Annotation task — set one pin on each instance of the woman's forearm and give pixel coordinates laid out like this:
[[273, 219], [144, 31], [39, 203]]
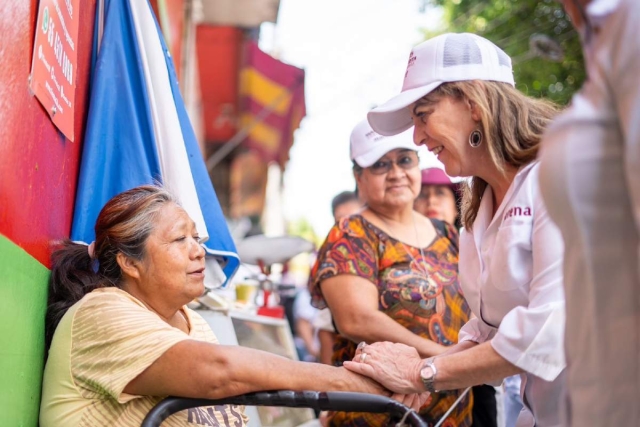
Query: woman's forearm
[[247, 370], [376, 326], [198, 369], [251, 370], [461, 346], [353, 302], [398, 367], [478, 364]]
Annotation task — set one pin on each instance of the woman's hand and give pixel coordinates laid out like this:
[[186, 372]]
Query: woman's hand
[[354, 305], [395, 366], [363, 384]]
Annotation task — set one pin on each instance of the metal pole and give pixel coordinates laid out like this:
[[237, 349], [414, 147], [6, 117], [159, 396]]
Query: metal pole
[[100, 7], [446, 414], [237, 139]]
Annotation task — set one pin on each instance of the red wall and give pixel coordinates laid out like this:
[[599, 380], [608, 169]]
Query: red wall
[[38, 166]]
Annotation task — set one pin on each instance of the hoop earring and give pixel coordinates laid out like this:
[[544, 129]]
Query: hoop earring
[[475, 138]]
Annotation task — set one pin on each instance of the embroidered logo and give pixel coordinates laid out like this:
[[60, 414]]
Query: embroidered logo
[[412, 61], [373, 136], [517, 211]]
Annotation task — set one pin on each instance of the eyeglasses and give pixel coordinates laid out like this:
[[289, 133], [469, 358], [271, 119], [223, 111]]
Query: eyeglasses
[[405, 161]]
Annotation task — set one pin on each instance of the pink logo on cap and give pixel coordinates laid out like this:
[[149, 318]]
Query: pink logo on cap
[[373, 136], [412, 61]]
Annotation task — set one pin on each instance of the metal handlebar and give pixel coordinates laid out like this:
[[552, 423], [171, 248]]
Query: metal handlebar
[[323, 401]]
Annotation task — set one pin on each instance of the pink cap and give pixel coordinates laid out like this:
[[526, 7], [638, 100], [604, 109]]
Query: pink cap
[[436, 176]]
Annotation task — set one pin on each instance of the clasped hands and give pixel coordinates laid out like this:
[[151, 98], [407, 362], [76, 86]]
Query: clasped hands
[[395, 366]]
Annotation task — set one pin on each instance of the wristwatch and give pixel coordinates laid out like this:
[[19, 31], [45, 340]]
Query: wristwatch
[[428, 375]]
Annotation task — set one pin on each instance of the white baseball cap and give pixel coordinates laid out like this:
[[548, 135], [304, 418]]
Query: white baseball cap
[[367, 146], [446, 58]]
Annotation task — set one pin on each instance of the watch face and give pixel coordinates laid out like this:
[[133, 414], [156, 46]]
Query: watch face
[[426, 373]]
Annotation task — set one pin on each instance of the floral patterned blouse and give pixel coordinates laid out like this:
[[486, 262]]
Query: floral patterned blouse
[[432, 306]]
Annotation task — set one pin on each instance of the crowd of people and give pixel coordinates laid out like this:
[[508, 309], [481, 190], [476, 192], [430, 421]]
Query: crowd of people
[[525, 271]]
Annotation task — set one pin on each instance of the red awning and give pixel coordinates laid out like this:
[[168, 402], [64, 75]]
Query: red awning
[[219, 50]]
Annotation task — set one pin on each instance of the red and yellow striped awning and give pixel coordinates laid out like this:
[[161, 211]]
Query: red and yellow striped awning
[[272, 103]]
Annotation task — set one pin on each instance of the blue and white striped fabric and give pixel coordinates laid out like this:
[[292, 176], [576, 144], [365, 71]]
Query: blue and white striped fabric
[[138, 132]]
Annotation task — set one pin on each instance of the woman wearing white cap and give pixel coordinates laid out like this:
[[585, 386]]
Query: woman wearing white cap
[[389, 273], [591, 181], [459, 93]]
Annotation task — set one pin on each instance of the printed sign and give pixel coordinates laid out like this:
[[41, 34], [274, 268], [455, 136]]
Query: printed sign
[[54, 63]]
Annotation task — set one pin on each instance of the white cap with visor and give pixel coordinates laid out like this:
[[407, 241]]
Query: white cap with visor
[[367, 146], [446, 58]]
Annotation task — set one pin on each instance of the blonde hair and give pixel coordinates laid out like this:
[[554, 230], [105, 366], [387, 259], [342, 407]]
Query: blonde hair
[[512, 125]]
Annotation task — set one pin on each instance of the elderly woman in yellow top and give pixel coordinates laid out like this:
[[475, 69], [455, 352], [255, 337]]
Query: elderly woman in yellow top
[[389, 273], [124, 337]]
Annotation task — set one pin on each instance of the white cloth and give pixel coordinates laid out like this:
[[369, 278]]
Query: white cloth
[[510, 272], [590, 179], [302, 308], [324, 321], [512, 400]]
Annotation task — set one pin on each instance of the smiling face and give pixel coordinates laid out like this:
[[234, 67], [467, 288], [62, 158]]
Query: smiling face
[[172, 270], [396, 188], [443, 125]]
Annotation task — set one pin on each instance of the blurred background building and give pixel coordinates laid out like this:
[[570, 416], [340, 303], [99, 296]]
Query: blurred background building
[[245, 105]]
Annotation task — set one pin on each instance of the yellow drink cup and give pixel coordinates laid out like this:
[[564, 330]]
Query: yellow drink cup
[[244, 292]]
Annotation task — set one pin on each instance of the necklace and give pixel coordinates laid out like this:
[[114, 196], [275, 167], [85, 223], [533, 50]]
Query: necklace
[[418, 265]]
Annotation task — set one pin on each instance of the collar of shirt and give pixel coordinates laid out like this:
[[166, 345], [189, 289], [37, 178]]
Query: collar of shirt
[[596, 13]]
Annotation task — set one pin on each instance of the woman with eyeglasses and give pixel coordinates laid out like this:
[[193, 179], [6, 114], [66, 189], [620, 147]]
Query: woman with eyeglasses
[[389, 273]]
